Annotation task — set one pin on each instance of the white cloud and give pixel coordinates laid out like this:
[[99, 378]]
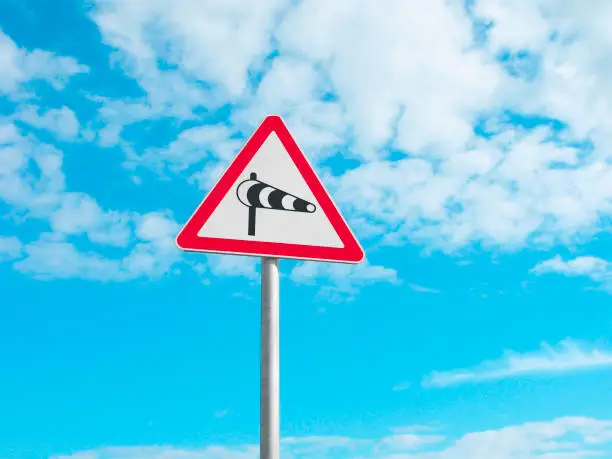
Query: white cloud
[[62, 122], [596, 269], [232, 265], [567, 357], [32, 182], [315, 446], [10, 248], [567, 438], [56, 259], [20, 66], [210, 46], [210, 146], [504, 192], [408, 76], [408, 441], [80, 213], [167, 452], [56, 70], [342, 280], [507, 191], [31, 177], [152, 254], [573, 45], [142, 31], [155, 252], [156, 227], [378, 60], [293, 89]]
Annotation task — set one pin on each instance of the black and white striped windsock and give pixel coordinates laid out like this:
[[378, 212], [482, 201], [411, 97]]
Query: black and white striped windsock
[[259, 195]]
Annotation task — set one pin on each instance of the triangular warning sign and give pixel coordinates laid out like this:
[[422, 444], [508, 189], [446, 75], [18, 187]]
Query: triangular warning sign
[[270, 203]]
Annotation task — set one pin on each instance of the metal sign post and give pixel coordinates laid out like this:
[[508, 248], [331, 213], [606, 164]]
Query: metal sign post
[[269, 422]]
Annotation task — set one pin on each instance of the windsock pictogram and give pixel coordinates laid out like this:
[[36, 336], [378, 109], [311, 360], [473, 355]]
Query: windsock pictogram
[[256, 194]]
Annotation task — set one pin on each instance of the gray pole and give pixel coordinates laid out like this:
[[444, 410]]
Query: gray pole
[[269, 424]]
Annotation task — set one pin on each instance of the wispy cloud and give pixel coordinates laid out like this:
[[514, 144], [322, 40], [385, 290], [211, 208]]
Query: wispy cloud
[[10, 248], [421, 289], [566, 357], [63, 122], [408, 441], [221, 413], [342, 282], [594, 268], [20, 66], [233, 266], [403, 386], [568, 437], [151, 253]]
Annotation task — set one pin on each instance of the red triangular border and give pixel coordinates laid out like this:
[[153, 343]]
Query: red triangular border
[[189, 240]]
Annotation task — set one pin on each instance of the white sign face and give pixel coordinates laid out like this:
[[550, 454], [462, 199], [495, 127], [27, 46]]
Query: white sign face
[[274, 167], [270, 203]]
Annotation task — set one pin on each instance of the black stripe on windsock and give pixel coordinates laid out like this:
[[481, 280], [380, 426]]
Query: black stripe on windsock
[[253, 194], [275, 199], [303, 206]]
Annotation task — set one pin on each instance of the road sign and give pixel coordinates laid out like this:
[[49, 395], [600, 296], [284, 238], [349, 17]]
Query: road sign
[[270, 203]]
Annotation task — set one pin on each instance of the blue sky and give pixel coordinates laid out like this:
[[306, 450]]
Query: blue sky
[[468, 146]]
